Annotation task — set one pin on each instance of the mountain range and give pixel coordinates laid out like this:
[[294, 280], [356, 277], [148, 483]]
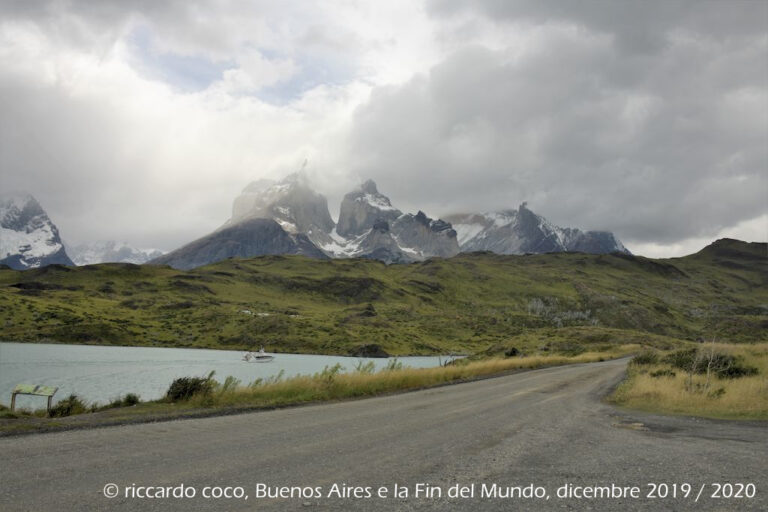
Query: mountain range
[[289, 217], [295, 219]]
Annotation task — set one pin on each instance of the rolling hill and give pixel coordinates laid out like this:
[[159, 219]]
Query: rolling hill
[[472, 302]]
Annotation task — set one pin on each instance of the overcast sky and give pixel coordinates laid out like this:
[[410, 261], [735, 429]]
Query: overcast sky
[[141, 121]]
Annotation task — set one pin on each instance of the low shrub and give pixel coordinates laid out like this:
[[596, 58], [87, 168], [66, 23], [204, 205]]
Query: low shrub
[[682, 359], [131, 399], [665, 372], [721, 364], [67, 407], [645, 357], [185, 388]]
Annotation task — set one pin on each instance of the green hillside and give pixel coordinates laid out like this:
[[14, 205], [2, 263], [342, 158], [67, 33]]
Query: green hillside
[[470, 303]]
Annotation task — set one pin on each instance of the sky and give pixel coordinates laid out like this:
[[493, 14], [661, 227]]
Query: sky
[[141, 121]]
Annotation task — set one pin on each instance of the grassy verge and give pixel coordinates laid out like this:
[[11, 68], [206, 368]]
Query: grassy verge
[[330, 384], [735, 387]]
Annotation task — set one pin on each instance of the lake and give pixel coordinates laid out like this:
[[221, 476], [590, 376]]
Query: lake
[[99, 374]]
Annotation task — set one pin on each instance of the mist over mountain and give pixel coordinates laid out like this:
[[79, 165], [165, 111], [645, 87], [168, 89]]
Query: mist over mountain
[[28, 237], [370, 226], [109, 251]]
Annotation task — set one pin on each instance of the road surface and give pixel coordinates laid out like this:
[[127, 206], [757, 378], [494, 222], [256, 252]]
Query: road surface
[[534, 432]]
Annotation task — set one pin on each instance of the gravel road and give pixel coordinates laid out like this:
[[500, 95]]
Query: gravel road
[[527, 433]]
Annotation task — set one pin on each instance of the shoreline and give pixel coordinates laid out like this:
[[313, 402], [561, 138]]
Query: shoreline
[[30, 425], [223, 349]]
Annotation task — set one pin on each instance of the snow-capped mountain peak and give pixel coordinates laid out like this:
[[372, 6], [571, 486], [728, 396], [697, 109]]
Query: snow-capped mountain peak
[[522, 231], [361, 208], [290, 202], [28, 237]]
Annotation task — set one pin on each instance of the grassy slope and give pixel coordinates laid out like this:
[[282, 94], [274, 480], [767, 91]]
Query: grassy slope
[[476, 302]]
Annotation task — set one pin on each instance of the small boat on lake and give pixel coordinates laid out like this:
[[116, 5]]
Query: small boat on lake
[[258, 357]]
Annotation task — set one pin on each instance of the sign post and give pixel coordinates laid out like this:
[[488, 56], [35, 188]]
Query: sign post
[[31, 389]]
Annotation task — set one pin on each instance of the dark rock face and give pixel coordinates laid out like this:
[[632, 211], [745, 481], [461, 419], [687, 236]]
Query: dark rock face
[[379, 244], [249, 238], [381, 226], [29, 238], [426, 236], [370, 350]]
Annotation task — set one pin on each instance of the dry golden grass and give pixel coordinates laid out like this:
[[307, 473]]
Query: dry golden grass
[[333, 386], [740, 398]]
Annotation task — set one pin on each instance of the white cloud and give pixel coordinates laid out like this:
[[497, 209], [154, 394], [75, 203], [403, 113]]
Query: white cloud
[[448, 108]]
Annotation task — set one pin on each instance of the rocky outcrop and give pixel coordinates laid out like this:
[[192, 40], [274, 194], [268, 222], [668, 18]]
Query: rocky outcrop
[[407, 237], [379, 244], [424, 236], [361, 208], [370, 350], [246, 239], [28, 237]]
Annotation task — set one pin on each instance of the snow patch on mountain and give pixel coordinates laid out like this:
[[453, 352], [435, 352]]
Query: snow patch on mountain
[[465, 232], [28, 237], [377, 201]]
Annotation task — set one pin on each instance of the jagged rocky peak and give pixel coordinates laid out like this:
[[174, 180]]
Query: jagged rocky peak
[[369, 187], [28, 237], [361, 208], [291, 202], [523, 231]]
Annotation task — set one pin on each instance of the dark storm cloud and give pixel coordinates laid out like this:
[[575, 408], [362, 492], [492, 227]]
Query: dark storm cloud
[[639, 26], [646, 118]]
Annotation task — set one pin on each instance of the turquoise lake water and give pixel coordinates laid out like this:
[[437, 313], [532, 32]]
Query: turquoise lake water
[[99, 374]]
